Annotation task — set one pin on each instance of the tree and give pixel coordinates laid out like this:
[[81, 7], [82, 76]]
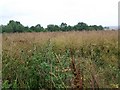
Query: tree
[[27, 29], [7, 29], [38, 28], [106, 28], [63, 26], [32, 28], [51, 27], [69, 28], [13, 26], [91, 28], [100, 27], [81, 26], [57, 28], [97, 27]]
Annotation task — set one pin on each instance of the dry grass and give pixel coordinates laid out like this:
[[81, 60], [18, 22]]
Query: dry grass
[[89, 47], [60, 40]]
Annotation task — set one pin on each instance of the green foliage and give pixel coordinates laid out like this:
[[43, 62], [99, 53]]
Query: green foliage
[[63, 26], [81, 26], [37, 28], [52, 28], [7, 85], [15, 26]]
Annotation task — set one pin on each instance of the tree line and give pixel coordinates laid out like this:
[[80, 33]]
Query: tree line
[[16, 26]]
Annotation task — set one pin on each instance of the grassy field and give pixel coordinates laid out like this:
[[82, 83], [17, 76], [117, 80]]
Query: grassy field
[[87, 59]]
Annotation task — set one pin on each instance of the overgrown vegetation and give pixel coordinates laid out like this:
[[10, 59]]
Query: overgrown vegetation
[[15, 26], [60, 60]]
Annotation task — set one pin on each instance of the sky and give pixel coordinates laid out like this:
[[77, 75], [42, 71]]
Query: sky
[[44, 12]]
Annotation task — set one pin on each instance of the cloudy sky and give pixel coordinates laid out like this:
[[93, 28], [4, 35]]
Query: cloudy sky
[[44, 12]]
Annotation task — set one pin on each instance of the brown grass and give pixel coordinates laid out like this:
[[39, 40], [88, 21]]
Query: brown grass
[[15, 43], [60, 40]]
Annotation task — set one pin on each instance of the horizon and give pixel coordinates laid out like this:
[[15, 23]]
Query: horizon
[[31, 13]]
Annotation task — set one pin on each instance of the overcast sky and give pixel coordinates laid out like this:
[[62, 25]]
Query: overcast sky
[[44, 12]]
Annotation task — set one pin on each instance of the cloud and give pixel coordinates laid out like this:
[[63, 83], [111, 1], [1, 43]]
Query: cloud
[[31, 12]]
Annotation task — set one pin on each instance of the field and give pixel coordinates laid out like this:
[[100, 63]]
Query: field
[[87, 59]]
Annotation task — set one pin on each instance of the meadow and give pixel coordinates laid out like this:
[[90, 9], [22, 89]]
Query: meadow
[[86, 59]]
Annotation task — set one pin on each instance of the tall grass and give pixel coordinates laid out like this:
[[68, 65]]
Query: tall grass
[[60, 60]]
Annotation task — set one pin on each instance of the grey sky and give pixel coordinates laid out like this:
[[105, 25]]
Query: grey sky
[[44, 12]]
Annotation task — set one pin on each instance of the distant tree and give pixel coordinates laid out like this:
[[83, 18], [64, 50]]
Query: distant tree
[[1, 27], [27, 29], [38, 28], [106, 28], [95, 27], [91, 28], [100, 27], [69, 28], [15, 26], [51, 28], [56, 28], [7, 28], [32, 28], [81, 26], [63, 26]]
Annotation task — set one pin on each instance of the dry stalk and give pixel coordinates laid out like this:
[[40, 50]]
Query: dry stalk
[[78, 79]]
